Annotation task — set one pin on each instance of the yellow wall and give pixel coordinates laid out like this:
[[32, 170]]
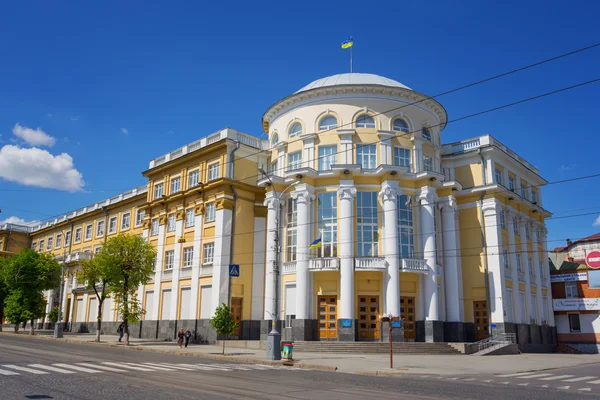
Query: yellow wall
[[469, 175]]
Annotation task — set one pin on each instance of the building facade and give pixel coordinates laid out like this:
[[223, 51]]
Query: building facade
[[13, 238]]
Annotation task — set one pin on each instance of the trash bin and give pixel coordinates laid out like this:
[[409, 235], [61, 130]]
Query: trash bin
[[288, 351]]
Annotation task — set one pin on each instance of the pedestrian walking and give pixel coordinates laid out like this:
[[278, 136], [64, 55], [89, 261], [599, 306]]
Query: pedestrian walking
[[121, 331], [180, 337], [187, 335]]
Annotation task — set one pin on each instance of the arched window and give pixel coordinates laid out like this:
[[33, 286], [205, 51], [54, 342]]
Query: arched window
[[295, 130], [365, 121], [329, 122], [426, 134], [275, 139], [400, 125]]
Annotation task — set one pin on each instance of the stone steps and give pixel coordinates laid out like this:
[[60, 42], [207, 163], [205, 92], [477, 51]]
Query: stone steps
[[375, 347]]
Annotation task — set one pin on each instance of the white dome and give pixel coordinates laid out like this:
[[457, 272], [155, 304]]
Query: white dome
[[352, 79]]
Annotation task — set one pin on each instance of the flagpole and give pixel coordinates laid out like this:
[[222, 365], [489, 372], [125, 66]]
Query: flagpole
[[351, 59]]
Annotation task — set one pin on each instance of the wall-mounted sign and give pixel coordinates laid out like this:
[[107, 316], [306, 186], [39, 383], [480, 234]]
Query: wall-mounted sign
[[593, 259], [346, 323], [578, 276], [576, 304], [396, 324]]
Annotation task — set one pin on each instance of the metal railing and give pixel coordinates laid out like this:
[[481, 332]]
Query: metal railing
[[496, 341]]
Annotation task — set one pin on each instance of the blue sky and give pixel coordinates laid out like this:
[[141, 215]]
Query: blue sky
[[118, 84]]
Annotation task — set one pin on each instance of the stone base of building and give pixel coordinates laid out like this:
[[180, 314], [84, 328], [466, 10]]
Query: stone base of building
[[347, 330], [250, 330], [397, 334], [454, 332], [301, 330], [265, 328], [430, 331]]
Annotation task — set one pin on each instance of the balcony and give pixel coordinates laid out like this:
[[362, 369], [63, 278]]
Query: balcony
[[289, 268], [369, 263], [413, 265], [324, 264], [77, 257]]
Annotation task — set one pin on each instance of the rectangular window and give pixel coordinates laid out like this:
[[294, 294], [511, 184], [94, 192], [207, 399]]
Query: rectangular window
[[139, 217], [158, 191], [193, 179], [68, 238], [112, 225], [523, 189], [516, 225], [427, 163], [213, 171], [154, 230], [169, 259], [505, 258], [291, 230], [33, 245], [188, 256], [366, 156], [97, 249], [511, 183], [542, 269], [100, 229], [210, 213], [574, 324], [533, 313], [530, 265], [498, 177], [527, 231], [519, 266], [49, 247], [58, 240], [88, 232], [533, 196], [502, 219], [209, 253], [77, 235], [366, 224], [41, 245], [125, 221], [190, 217], [171, 223], [273, 169], [175, 185], [294, 160], [327, 157], [402, 157], [571, 290], [327, 223], [406, 243]]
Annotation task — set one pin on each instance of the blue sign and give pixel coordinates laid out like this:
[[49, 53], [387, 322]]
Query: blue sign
[[396, 324], [234, 270], [493, 325], [346, 323]]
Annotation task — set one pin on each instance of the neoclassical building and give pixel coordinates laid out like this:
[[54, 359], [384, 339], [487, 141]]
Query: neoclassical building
[[449, 239]]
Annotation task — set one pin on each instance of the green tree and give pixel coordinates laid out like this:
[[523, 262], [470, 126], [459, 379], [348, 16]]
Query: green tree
[[3, 290], [96, 275], [126, 261], [223, 322], [54, 315]]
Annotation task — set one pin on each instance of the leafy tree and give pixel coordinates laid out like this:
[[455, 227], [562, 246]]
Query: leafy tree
[[96, 276], [126, 261], [54, 315], [3, 290], [223, 322]]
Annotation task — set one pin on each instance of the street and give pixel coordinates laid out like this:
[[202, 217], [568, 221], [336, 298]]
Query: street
[[45, 369]]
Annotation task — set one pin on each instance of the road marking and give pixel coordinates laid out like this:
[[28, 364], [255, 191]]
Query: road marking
[[148, 366], [79, 368], [545, 386], [488, 381], [129, 366], [517, 374], [25, 369], [533, 376], [166, 365], [555, 377], [101, 367], [583, 378], [54, 369], [594, 382], [563, 387], [523, 384], [453, 379], [504, 383], [586, 389], [469, 379], [213, 366], [2, 372]]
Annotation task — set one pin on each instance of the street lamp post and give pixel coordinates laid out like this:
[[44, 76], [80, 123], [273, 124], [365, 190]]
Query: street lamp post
[[58, 327]]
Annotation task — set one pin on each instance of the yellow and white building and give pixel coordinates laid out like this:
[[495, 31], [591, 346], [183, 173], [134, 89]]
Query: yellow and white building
[[450, 238]]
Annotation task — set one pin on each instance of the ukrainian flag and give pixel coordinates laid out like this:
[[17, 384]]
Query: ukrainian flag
[[348, 43], [316, 244]]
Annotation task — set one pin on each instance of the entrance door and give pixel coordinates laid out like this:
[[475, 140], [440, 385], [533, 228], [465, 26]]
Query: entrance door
[[327, 317], [480, 316], [236, 313], [368, 318], [67, 319], [407, 312]]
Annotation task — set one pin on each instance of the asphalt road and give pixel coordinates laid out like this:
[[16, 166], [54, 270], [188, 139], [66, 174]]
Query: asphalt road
[[44, 369]]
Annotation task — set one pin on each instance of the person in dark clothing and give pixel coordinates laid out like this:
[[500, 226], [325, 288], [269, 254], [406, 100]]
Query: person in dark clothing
[[121, 331], [180, 336], [187, 335]]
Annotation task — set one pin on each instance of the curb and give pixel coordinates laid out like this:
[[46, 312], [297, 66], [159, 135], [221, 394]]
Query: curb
[[182, 353], [391, 373]]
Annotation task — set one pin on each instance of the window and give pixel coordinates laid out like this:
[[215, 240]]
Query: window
[[524, 189], [97, 249], [100, 228], [77, 235], [58, 240], [294, 160], [515, 225], [426, 134], [274, 169], [209, 253], [193, 179], [125, 221], [171, 223], [158, 191], [291, 230], [519, 266], [365, 121], [295, 130], [427, 163], [505, 258], [327, 223], [400, 125], [41, 245], [88, 232], [511, 183], [498, 177], [112, 225], [33, 245], [530, 265], [139, 217], [574, 324], [188, 256], [190, 218], [327, 123], [406, 245], [366, 156], [533, 196], [402, 157], [275, 139], [210, 213], [169, 259], [68, 238], [533, 312], [49, 246], [175, 185], [502, 219], [213, 171], [541, 266], [327, 157], [366, 224], [527, 231], [571, 290], [154, 227]]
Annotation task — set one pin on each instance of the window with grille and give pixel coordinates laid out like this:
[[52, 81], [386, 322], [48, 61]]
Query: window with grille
[[190, 217], [188, 256], [366, 156], [210, 214], [209, 253], [366, 224], [402, 157], [327, 157], [169, 259]]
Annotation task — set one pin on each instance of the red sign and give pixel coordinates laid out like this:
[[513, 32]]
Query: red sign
[[593, 259]]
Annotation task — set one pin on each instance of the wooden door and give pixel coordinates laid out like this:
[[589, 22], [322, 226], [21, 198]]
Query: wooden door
[[407, 312], [236, 313], [480, 316], [368, 318], [327, 317]]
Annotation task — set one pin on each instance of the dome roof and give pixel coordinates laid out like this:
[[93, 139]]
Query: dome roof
[[352, 79]]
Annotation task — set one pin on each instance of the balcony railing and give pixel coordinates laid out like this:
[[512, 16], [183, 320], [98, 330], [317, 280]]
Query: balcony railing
[[413, 265], [77, 257], [322, 264], [369, 262], [289, 268]]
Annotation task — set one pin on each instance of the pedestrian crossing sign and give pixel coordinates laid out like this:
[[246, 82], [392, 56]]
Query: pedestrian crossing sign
[[234, 270]]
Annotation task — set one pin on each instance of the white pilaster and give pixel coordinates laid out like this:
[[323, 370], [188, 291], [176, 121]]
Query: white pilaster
[[304, 199], [176, 266], [385, 147], [389, 195], [519, 309], [85, 313], [347, 193], [72, 317], [427, 199], [281, 166], [258, 268], [272, 204], [525, 264], [459, 266], [65, 292], [220, 278], [490, 169], [160, 255], [196, 261], [140, 291], [538, 278], [345, 156], [451, 276], [493, 242], [308, 158], [546, 266]]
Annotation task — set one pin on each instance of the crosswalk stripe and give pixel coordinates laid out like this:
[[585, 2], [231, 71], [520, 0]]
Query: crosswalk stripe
[[523, 384], [149, 366], [202, 368], [79, 368], [556, 377], [469, 379], [167, 365], [214, 366], [594, 382], [582, 378], [102, 367], [25, 369], [2, 372], [129, 366], [517, 374], [533, 376], [586, 389], [545, 386], [53, 369], [563, 387], [239, 367]]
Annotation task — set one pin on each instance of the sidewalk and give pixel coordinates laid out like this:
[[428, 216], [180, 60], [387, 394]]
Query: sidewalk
[[374, 364]]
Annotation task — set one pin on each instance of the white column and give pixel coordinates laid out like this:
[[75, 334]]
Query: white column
[[345, 155], [525, 264], [490, 168], [65, 292], [389, 195], [304, 197], [73, 299], [538, 278], [50, 304], [176, 264], [258, 267], [86, 297], [347, 193], [451, 277], [160, 255], [427, 199], [418, 156], [385, 148], [220, 278], [196, 260], [546, 266], [493, 241], [272, 216], [519, 310]]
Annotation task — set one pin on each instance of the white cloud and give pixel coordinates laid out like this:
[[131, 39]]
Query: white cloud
[[37, 167], [33, 137], [596, 222], [125, 131], [76, 118], [565, 168], [19, 221]]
